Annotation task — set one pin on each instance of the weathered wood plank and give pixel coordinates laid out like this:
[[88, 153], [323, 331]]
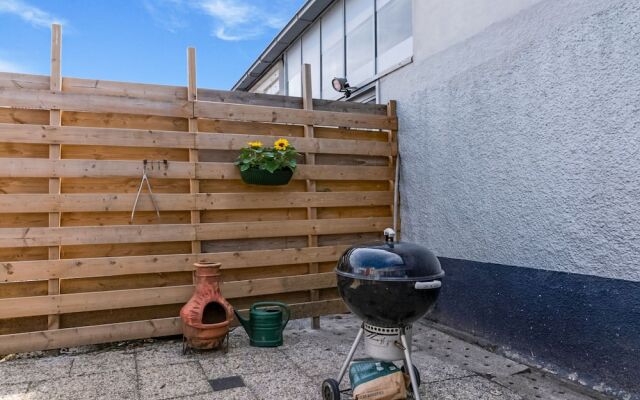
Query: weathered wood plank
[[68, 337], [316, 172], [32, 168], [70, 236], [55, 151], [47, 100], [243, 112], [42, 203], [115, 299], [43, 134], [17, 271], [262, 99]]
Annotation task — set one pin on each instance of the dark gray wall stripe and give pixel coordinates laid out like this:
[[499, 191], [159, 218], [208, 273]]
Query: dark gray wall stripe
[[582, 323]]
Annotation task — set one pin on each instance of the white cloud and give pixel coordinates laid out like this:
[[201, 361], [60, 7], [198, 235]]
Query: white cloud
[[232, 20], [8, 66], [29, 13], [231, 12], [168, 13]]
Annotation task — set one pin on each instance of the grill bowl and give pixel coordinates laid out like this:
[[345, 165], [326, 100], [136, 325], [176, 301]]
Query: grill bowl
[[386, 303]]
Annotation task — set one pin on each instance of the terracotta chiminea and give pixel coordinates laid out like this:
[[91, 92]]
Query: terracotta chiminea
[[206, 316]]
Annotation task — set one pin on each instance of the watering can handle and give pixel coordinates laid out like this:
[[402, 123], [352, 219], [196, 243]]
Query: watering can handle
[[284, 307]]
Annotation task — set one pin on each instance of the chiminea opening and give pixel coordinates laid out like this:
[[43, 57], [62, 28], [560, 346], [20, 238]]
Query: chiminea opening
[[214, 313]]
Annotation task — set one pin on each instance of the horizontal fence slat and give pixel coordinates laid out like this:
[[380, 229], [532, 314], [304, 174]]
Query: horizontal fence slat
[[242, 112], [215, 170], [226, 141], [116, 299], [167, 92], [49, 100], [36, 168], [45, 134], [228, 201], [40, 203], [250, 230], [263, 99], [18, 271], [80, 135], [67, 236], [85, 335]]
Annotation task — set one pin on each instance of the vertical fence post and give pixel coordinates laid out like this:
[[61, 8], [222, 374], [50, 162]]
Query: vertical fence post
[[55, 119], [192, 97], [391, 137], [310, 159]]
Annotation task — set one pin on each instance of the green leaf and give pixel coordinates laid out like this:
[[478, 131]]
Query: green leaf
[[244, 167]]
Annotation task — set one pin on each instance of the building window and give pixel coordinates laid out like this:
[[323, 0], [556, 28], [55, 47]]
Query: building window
[[311, 55], [394, 32], [360, 40], [270, 83], [294, 70], [332, 49], [356, 39]]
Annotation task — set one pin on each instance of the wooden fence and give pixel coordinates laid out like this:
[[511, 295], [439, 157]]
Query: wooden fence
[[74, 270]]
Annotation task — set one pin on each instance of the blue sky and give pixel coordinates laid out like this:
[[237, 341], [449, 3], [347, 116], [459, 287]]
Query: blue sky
[[141, 40]]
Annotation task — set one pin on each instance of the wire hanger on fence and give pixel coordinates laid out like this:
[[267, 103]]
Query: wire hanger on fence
[[144, 180]]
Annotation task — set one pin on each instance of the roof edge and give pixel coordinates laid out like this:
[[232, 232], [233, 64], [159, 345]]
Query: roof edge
[[306, 15]]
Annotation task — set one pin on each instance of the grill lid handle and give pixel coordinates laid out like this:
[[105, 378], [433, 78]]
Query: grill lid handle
[[428, 285]]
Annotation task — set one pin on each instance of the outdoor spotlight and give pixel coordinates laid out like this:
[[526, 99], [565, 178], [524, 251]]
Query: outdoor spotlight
[[341, 85]]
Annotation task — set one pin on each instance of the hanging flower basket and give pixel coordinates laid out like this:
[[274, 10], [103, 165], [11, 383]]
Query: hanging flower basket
[[272, 166], [257, 176]]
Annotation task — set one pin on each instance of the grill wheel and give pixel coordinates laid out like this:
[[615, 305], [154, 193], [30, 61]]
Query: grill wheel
[[330, 390]]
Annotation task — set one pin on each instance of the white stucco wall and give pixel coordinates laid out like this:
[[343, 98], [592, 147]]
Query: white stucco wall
[[520, 133]]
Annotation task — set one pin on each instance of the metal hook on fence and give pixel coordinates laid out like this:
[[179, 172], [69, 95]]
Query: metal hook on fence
[[142, 182]]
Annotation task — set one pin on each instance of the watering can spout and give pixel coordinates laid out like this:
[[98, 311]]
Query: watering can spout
[[245, 322]]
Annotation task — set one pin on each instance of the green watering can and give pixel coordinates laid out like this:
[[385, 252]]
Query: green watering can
[[265, 323]]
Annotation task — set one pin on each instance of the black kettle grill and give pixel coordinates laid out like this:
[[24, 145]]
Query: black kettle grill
[[388, 285]]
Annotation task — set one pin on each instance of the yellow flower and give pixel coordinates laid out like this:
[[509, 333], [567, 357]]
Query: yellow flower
[[281, 144], [255, 145]]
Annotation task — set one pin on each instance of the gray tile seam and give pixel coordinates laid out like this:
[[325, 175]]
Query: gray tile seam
[[137, 372], [204, 375], [453, 378], [73, 360], [488, 380]]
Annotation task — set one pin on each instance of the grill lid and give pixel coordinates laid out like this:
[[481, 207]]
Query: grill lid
[[390, 260]]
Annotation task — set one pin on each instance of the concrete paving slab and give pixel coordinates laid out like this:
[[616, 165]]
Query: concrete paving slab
[[433, 369], [471, 388], [13, 391], [243, 361], [111, 385], [166, 352], [468, 356], [159, 382], [536, 385], [282, 384], [231, 394], [104, 361], [35, 369]]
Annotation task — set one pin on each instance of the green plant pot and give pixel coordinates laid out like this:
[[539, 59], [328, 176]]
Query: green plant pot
[[257, 176]]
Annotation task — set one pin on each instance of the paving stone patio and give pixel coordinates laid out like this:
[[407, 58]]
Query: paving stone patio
[[157, 369]]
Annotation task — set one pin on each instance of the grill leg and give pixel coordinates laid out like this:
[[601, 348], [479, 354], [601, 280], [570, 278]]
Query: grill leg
[[409, 365], [354, 346]]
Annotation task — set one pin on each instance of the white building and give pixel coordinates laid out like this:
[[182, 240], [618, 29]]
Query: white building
[[519, 127], [361, 40]]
